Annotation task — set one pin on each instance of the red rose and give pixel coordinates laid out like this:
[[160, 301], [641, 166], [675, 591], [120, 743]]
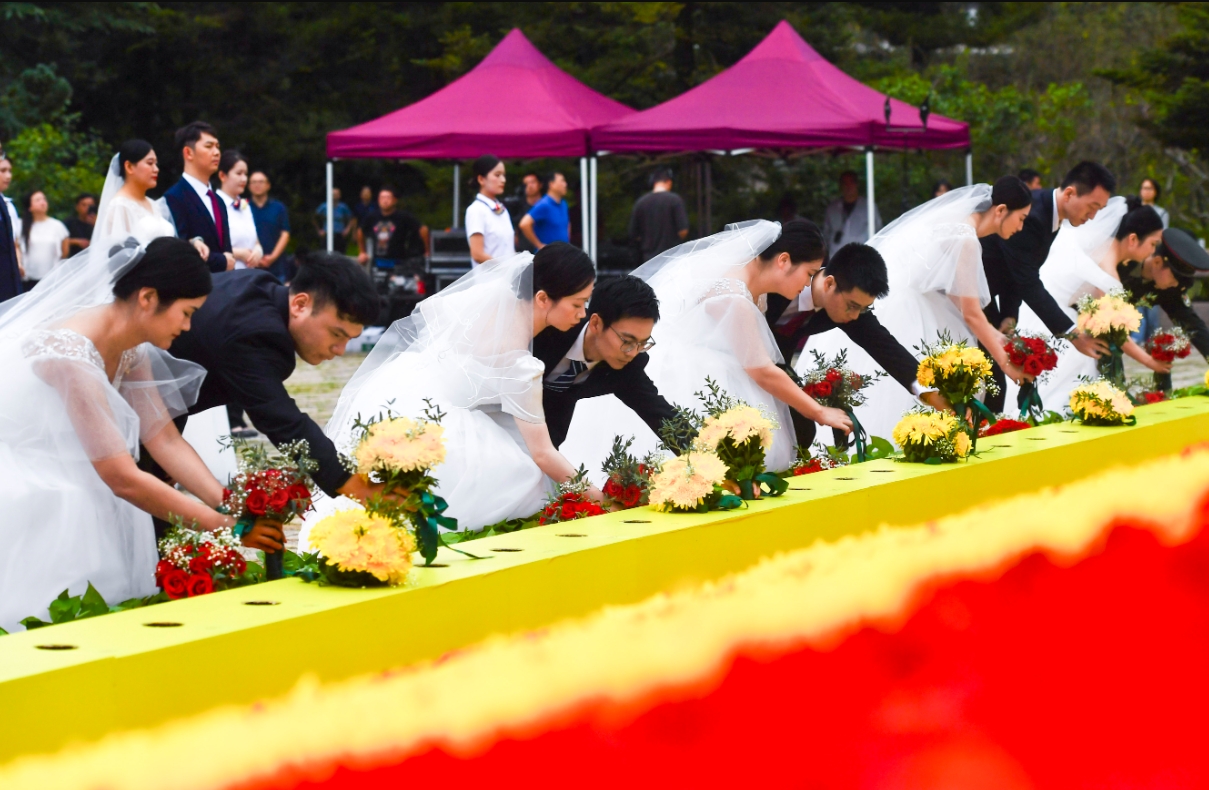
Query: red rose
[[570, 497], [823, 389], [568, 511], [833, 376], [200, 584], [272, 474], [279, 500], [200, 564], [1033, 367], [631, 496], [301, 494], [1154, 397], [1035, 345], [642, 470], [612, 489], [241, 565], [256, 502], [175, 584], [226, 495], [1184, 352], [163, 569]]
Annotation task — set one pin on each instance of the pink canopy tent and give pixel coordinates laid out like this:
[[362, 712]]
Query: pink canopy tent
[[781, 95], [515, 103]]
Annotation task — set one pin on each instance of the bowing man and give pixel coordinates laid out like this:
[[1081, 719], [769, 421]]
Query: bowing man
[[840, 296], [197, 211]]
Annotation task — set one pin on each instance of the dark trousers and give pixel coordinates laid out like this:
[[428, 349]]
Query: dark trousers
[[996, 402], [235, 416]]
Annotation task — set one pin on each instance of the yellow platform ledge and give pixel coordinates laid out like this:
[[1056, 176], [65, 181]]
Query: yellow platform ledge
[[241, 645]]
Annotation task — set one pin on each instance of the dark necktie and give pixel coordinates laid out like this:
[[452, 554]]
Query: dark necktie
[[217, 218], [563, 381], [793, 324]]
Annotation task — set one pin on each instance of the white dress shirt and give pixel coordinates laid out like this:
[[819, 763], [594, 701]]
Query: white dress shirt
[[576, 352], [243, 226], [1057, 221], [839, 230], [203, 192]]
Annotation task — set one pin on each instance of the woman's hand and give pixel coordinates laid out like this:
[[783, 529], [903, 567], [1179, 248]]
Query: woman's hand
[[595, 494], [266, 535], [834, 418], [1155, 365], [255, 257], [1139, 354], [201, 248]]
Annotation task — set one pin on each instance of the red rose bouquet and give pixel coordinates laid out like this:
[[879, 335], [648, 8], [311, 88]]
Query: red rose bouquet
[[571, 502], [1168, 346], [805, 464], [832, 383], [272, 485], [1143, 390], [1036, 356], [196, 562], [1004, 425], [629, 480]]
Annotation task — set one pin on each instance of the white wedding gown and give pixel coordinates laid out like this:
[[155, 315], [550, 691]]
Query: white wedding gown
[[933, 258], [709, 326], [467, 350], [1077, 265]]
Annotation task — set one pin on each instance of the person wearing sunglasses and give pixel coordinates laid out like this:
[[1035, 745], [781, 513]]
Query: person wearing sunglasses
[[605, 354]]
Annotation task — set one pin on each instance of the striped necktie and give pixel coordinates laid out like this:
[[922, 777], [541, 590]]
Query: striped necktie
[[563, 381]]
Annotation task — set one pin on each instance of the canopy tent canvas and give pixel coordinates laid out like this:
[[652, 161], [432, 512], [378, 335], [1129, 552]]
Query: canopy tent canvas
[[515, 104], [782, 95]]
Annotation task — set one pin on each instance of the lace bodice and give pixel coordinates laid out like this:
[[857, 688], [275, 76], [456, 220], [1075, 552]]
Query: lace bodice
[[67, 344], [955, 229], [729, 286]]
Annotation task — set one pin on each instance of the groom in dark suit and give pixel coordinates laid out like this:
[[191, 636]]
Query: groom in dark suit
[[840, 296], [616, 332], [197, 211], [1013, 265], [10, 267], [249, 334]]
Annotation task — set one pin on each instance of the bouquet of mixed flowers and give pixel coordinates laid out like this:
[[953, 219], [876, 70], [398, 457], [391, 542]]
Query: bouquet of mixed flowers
[[805, 464], [1036, 357], [1101, 403], [932, 437], [959, 373], [273, 485], [833, 384], [629, 479], [1168, 346], [1004, 425], [1110, 318], [196, 562], [691, 483], [740, 435], [571, 502], [360, 548], [1143, 390]]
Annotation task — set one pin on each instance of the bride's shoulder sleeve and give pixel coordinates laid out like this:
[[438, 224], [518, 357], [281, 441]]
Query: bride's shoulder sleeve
[[732, 323], [965, 273], [157, 386], [521, 389], [103, 422]]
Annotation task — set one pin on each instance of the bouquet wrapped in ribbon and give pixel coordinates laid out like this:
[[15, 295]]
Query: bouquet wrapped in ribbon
[[740, 435], [833, 384], [1167, 346], [359, 548], [1110, 318], [570, 502], [629, 480], [932, 437], [959, 373], [270, 484], [692, 483], [1101, 403], [195, 562], [1035, 356]]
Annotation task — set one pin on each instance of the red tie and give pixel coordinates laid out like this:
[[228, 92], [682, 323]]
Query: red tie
[[217, 217]]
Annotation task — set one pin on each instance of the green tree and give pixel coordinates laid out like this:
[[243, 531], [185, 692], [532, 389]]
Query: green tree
[[59, 161]]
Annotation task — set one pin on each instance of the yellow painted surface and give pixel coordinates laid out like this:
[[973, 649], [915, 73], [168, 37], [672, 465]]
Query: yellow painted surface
[[123, 674]]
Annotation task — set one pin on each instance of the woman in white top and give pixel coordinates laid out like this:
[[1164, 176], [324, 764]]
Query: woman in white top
[[42, 239], [488, 225], [245, 246]]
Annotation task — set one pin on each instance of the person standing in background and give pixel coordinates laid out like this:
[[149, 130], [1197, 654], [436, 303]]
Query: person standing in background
[[390, 235], [43, 239], [940, 187], [364, 206], [549, 221], [272, 227], [81, 225], [343, 221], [1150, 192], [518, 207], [659, 220], [10, 261], [245, 243], [1031, 179], [488, 225], [197, 212], [847, 218]]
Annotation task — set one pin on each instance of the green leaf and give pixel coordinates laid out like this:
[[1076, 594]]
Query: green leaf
[[428, 540], [31, 623], [878, 448], [3, 632], [92, 604], [65, 608]]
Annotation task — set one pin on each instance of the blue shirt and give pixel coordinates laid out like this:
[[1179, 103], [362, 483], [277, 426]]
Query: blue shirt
[[271, 221], [341, 215], [550, 220]]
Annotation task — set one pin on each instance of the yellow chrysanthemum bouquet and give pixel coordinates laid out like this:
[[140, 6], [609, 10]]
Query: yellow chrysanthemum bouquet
[[1110, 318], [362, 549], [960, 373], [1101, 403], [932, 437], [739, 435], [690, 483]]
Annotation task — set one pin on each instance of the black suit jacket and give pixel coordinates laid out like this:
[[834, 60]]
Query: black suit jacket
[[631, 385], [10, 274], [1013, 268], [241, 337], [866, 331], [192, 218]]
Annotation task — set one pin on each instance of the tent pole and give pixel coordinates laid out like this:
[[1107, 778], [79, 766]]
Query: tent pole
[[592, 207], [869, 192], [457, 193], [583, 202], [331, 208], [969, 168], [709, 197]]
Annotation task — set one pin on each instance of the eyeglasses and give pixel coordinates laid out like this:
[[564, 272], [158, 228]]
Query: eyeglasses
[[853, 307], [630, 345]]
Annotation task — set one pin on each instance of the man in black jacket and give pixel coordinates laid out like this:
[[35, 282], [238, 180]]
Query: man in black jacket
[[841, 295], [1163, 279], [251, 329], [617, 332]]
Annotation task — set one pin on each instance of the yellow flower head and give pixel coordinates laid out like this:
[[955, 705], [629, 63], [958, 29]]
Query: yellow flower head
[[401, 445], [922, 428], [355, 540], [684, 482], [1100, 400], [739, 423], [961, 444]]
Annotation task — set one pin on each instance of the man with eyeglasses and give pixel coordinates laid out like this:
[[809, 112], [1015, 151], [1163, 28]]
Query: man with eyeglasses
[[616, 332], [841, 295]]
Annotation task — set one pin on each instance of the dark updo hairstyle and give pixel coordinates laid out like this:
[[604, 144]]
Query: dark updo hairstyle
[[562, 270], [1010, 191], [802, 239], [132, 152], [230, 158], [1140, 219], [172, 267], [482, 167]]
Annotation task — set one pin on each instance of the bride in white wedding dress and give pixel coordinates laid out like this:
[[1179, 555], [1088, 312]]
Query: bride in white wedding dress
[[467, 349], [937, 284]]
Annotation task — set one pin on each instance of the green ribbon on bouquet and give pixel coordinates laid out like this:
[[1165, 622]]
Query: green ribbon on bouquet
[[1112, 366], [980, 410], [428, 523], [768, 484], [1029, 401]]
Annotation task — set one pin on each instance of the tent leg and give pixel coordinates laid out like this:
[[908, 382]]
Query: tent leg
[[583, 203], [709, 198], [869, 192], [969, 168], [592, 207], [331, 208], [457, 193]]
